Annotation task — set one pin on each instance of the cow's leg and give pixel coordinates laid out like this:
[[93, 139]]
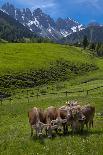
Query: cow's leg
[[56, 130], [49, 132], [31, 131], [66, 128], [36, 133], [46, 131], [63, 128], [87, 126], [82, 127], [73, 130], [92, 124]]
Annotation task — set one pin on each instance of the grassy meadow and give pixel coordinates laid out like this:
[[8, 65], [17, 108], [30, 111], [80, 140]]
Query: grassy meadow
[[14, 127], [23, 57]]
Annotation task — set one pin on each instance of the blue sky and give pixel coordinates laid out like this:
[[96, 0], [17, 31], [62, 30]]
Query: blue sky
[[84, 11]]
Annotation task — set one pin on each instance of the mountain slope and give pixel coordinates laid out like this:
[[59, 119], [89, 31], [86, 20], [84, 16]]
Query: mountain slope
[[94, 33], [11, 30], [43, 24]]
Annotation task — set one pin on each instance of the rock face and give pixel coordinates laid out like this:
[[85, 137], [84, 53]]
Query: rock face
[[12, 30], [43, 24]]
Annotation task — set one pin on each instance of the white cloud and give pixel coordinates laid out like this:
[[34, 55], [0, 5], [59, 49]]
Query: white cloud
[[38, 3]]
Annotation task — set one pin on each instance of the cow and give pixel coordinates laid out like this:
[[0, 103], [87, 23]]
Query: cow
[[44, 119], [65, 115], [89, 112], [72, 112], [53, 119], [37, 120], [78, 119]]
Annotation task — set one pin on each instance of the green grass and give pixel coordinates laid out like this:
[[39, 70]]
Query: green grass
[[15, 130], [23, 57], [14, 127]]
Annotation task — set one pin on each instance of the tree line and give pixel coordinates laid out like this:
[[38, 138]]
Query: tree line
[[95, 47]]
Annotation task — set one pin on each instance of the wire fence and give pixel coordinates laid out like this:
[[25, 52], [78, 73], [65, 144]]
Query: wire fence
[[30, 94]]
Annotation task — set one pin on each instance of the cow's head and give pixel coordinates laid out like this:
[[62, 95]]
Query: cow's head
[[39, 127], [69, 115], [58, 123], [77, 120]]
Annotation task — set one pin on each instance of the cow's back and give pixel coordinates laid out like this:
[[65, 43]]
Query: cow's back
[[63, 114], [33, 116], [51, 113], [42, 116], [88, 112]]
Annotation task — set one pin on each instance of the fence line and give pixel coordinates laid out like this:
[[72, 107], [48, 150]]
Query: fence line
[[38, 94]]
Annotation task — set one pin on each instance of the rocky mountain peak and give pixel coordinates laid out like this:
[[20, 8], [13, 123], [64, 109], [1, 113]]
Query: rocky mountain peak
[[37, 12], [43, 24]]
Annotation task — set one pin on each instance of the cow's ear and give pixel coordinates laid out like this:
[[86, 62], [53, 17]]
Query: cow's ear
[[64, 121]]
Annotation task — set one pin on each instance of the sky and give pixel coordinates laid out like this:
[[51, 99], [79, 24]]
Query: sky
[[84, 11]]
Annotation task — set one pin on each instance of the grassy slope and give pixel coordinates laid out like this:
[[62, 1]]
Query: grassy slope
[[18, 57], [14, 127]]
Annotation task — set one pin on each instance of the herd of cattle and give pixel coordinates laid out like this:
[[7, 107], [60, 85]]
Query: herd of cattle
[[58, 119]]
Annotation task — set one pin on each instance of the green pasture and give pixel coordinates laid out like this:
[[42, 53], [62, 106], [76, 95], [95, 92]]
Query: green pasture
[[23, 57], [15, 131], [14, 126]]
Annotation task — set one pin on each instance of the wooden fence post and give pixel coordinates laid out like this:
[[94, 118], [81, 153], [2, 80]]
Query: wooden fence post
[[66, 93], [28, 95], [1, 101], [28, 99], [10, 99], [37, 95], [87, 92]]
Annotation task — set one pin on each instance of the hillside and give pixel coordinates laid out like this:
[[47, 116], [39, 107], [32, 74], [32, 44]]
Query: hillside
[[32, 56], [11, 29], [30, 65]]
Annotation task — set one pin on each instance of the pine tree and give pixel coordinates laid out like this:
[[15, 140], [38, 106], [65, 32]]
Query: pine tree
[[92, 46], [98, 45], [100, 51], [85, 42]]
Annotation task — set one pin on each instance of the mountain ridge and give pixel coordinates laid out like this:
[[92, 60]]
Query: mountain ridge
[[41, 23]]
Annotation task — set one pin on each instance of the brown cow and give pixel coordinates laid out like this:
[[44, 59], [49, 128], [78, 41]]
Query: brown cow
[[53, 119], [65, 115], [78, 118], [89, 112], [72, 112], [37, 120], [40, 119]]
